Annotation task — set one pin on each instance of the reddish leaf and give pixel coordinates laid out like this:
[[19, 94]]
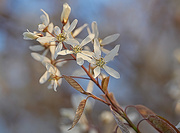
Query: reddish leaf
[[74, 84], [120, 124], [159, 123], [144, 111], [105, 83], [79, 112]]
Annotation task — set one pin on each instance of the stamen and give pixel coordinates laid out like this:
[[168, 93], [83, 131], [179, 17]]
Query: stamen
[[77, 49], [100, 62]]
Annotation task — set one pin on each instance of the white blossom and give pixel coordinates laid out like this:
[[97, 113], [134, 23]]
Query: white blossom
[[29, 35], [77, 48], [45, 21], [51, 71], [65, 13], [99, 62], [106, 40]]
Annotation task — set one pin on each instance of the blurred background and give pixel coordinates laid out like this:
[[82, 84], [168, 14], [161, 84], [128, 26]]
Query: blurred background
[[148, 60]]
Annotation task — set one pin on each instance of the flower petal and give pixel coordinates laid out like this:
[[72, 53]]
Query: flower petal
[[87, 40], [50, 29], [45, 18], [90, 87], [57, 30], [58, 49], [65, 13], [112, 53], [72, 26], [65, 52], [111, 72], [52, 50], [55, 85], [97, 71], [105, 50], [78, 30], [40, 58], [95, 29], [80, 61], [72, 42], [87, 53], [97, 49], [36, 48], [109, 39], [45, 39], [84, 57], [41, 27], [29, 36], [44, 78]]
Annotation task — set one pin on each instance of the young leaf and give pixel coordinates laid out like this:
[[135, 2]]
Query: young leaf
[[105, 83], [144, 111], [79, 112], [74, 84], [159, 123], [120, 124]]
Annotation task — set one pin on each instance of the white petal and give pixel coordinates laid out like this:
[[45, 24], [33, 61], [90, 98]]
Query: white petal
[[111, 72], [88, 53], [97, 49], [84, 57], [50, 68], [97, 71], [112, 53], [40, 58], [60, 63], [44, 78], [41, 27], [105, 50], [58, 49], [72, 42], [52, 49], [90, 86], [78, 30], [29, 36], [65, 13], [45, 39], [59, 81], [95, 29], [36, 48], [110, 39], [65, 52], [50, 86], [55, 85], [80, 61], [88, 30], [50, 29], [87, 40], [67, 25], [45, 18], [45, 52], [72, 26], [57, 30]]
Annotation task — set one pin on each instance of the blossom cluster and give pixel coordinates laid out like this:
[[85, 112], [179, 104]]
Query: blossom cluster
[[63, 41]]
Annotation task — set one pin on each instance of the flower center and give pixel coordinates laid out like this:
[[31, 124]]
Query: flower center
[[77, 49], [100, 41], [61, 37], [100, 62]]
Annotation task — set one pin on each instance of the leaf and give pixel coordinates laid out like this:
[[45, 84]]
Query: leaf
[[79, 112], [159, 123], [105, 83], [144, 111], [74, 84], [120, 124]]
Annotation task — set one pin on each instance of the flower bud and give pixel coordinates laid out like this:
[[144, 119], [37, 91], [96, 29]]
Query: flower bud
[[65, 13]]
